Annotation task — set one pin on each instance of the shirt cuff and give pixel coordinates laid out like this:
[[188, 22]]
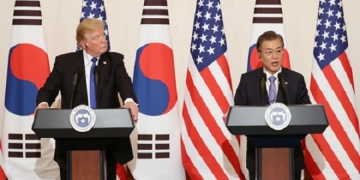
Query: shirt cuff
[[130, 100], [43, 103]]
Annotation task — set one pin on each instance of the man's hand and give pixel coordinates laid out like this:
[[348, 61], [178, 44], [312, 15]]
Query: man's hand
[[134, 110], [42, 106]]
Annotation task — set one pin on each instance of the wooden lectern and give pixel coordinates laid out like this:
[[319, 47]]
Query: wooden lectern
[[274, 149], [86, 159]]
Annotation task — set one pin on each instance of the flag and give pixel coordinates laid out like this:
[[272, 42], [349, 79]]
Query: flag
[[157, 138], [96, 9], [26, 156], [209, 151], [334, 154], [267, 16]]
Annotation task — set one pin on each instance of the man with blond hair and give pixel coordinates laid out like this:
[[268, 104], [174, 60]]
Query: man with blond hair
[[113, 79]]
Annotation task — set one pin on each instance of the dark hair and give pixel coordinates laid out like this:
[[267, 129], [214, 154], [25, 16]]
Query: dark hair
[[268, 36]]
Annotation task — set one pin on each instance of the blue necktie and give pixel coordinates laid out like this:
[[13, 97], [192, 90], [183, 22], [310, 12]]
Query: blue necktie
[[272, 90], [92, 84]]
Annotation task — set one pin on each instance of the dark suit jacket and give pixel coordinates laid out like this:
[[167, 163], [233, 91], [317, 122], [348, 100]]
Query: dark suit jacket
[[113, 79], [249, 93]]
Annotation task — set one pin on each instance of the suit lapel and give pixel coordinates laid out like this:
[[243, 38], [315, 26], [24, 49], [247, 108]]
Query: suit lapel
[[79, 64], [258, 77], [279, 96], [104, 70]]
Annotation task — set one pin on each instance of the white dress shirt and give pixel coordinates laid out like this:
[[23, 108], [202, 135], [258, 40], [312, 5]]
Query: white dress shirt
[[268, 81]]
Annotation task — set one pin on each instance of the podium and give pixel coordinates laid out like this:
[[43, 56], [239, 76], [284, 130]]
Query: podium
[[274, 158], [86, 157]]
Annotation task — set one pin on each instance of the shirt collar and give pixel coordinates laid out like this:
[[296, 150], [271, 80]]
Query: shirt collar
[[275, 74], [87, 58]]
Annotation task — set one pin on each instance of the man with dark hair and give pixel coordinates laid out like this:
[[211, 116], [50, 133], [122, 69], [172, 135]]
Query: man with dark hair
[[270, 47]]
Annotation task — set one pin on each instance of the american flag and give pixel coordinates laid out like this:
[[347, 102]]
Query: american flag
[[335, 153], [95, 9], [209, 150]]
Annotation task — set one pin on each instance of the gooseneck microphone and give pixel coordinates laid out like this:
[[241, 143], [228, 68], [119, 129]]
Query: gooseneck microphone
[[97, 76], [283, 86], [262, 87], [74, 86]]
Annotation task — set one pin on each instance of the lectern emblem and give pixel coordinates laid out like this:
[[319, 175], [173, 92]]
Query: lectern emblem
[[277, 116], [82, 118]]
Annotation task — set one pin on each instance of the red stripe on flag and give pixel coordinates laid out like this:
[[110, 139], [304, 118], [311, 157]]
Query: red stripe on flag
[[339, 132], [311, 165], [222, 61], [211, 124], [341, 94], [201, 147], [347, 67], [121, 172], [215, 90], [2, 174], [187, 162]]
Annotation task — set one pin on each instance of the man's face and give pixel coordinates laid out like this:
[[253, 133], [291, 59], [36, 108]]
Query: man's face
[[95, 42], [271, 55]]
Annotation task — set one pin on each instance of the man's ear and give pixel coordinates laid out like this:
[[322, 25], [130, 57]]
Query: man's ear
[[83, 44]]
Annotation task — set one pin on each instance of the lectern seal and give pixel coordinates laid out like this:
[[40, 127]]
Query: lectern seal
[[82, 118], [277, 116]]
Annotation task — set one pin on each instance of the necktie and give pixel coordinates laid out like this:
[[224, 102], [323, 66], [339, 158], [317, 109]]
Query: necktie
[[92, 84], [272, 90]]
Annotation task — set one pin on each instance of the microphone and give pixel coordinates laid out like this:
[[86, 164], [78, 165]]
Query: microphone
[[74, 85], [283, 87], [262, 87], [97, 75]]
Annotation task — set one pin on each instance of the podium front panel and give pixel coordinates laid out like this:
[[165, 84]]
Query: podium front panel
[[250, 120], [110, 123]]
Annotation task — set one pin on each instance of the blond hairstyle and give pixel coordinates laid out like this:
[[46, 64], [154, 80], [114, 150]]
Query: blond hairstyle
[[87, 25]]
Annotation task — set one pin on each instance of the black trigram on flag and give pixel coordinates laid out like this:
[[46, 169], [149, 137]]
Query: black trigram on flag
[[24, 146], [27, 13], [153, 146]]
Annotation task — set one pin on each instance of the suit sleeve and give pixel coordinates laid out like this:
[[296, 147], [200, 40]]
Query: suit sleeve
[[51, 87], [303, 96], [240, 95], [123, 81]]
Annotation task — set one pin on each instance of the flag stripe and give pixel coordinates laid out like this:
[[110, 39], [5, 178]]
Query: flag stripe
[[268, 11], [27, 3], [195, 166], [327, 150], [347, 67], [27, 13], [15, 146], [267, 20], [267, 2], [209, 120], [310, 163], [188, 163], [223, 63], [199, 144], [215, 90], [338, 89], [221, 78], [155, 3], [155, 21], [27, 22], [155, 12]]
